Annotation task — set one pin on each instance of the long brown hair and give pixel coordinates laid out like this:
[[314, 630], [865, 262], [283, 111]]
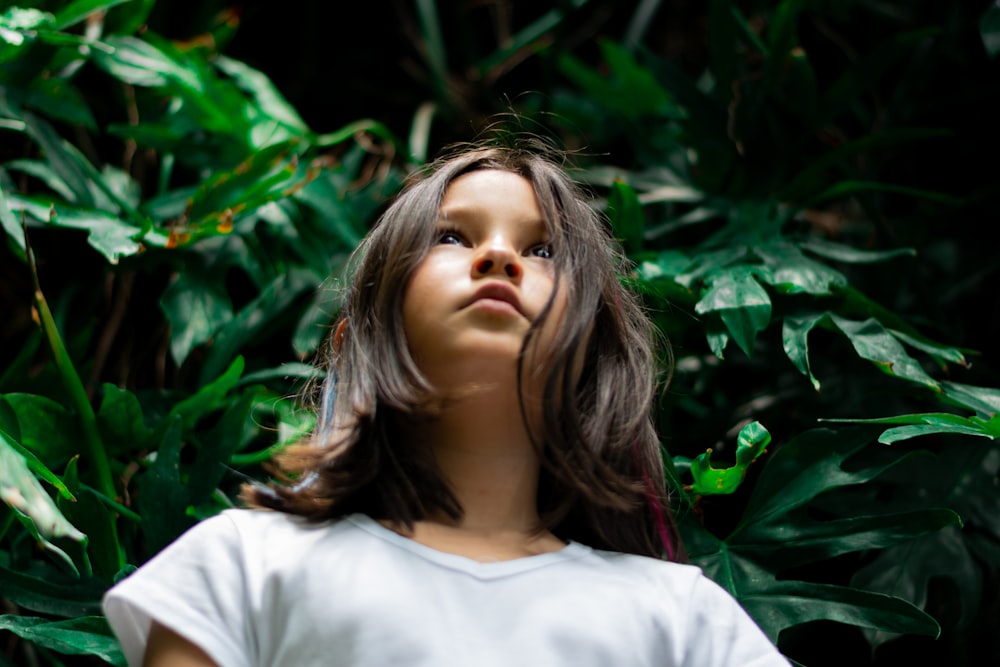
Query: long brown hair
[[601, 475]]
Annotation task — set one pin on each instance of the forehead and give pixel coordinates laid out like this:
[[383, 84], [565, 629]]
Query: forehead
[[492, 191]]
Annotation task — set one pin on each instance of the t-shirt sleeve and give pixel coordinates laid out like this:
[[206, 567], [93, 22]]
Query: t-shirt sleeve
[[196, 587], [720, 632]]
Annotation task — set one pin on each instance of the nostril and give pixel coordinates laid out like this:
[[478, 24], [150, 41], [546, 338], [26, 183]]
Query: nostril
[[512, 270], [484, 265]]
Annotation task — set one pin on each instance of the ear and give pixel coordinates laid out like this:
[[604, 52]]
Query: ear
[[338, 335]]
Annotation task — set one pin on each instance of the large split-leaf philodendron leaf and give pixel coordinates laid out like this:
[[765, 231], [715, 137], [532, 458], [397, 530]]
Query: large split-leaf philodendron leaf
[[777, 532]]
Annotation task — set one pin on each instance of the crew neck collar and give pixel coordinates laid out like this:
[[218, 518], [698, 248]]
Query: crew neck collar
[[471, 566]]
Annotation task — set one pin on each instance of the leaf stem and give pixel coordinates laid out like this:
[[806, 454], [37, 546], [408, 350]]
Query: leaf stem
[[97, 456]]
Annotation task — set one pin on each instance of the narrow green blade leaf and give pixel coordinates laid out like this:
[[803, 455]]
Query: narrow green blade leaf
[[75, 12], [11, 225], [840, 252]]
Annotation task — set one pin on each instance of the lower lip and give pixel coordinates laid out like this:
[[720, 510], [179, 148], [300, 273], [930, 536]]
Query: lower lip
[[498, 306]]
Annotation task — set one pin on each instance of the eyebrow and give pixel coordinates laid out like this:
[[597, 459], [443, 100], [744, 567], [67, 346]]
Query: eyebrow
[[473, 214]]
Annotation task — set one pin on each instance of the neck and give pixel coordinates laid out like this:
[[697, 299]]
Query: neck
[[482, 448]]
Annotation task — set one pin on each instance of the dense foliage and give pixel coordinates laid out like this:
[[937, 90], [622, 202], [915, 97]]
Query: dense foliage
[[800, 184]]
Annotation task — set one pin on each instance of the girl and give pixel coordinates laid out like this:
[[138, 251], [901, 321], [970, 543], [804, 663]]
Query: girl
[[484, 486]]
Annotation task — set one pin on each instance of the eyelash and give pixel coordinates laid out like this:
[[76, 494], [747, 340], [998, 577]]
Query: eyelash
[[447, 236]]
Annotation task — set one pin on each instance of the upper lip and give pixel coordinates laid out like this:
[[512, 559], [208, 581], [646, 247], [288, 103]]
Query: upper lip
[[499, 291]]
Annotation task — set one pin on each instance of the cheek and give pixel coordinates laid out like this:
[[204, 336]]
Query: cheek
[[415, 305]]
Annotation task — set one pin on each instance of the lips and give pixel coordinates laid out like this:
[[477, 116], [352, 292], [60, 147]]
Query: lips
[[498, 292]]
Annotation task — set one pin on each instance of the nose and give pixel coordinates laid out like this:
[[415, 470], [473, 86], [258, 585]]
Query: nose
[[497, 258]]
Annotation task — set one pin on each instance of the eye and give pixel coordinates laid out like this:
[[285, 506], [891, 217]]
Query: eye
[[449, 237], [542, 251]]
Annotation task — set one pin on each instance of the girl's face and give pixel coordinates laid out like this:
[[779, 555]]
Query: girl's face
[[471, 300]]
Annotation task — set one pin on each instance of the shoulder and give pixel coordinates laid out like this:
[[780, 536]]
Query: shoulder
[[266, 535], [644, 570]]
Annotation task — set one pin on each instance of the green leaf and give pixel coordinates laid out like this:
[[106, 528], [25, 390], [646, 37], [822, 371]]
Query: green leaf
[[44, 172], [47, 429], [665, 264], [839, 252], [795, 341], [741, 302], [629, 89], [197, 306], [434, 48], [794, 273], [625, 213], [268, 98], [49, 591], [11, 226], [778, 531], [64, 159], [207, 398], [875, 343], [237, 426], [906, 571], [788, 603], [708, 480], [78, 11], [325, 196], [795, 539], [111, 236], [893, 435], [20, 490], [139, 63], [805, 467], [528, 37], [56, 98], [88, 635], [262, 312], [292, 370], [716, 261], [120, 421], [984, 400], [269, 174], [963, 476], [35, 465], [15, 22], [943, 352], [163, 500]]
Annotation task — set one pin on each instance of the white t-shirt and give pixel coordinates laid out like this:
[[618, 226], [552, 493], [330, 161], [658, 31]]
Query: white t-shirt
[[256, 588]]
